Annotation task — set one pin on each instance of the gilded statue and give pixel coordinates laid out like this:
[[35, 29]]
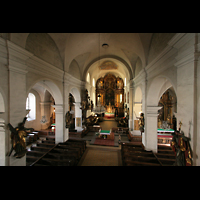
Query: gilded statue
[[181, 147], [141, 122], [68, 119], [18, 135]]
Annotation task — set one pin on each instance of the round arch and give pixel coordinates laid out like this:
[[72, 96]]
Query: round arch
[[107, 56], [50, 86], [75, 92], [157, 87]]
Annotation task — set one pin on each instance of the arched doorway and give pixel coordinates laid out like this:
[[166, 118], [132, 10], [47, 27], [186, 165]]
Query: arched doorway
[[158, 86], [46, 88]]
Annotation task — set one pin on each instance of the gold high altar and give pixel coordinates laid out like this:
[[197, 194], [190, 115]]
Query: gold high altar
[[111, 90]]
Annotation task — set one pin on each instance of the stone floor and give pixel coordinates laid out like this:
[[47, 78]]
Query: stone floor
[[101, 156], [96, 155]]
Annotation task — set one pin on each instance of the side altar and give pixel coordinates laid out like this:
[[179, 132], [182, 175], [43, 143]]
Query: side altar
[[164, 136]]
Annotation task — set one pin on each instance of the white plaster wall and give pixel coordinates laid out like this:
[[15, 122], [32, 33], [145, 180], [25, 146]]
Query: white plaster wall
[[197, 138], [74, 70], [44, 47]]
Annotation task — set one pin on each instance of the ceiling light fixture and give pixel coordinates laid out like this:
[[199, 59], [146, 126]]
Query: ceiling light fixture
[[105, 46]]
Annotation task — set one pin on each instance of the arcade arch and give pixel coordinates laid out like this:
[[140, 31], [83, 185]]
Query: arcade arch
[[156, 89], [41, 86]]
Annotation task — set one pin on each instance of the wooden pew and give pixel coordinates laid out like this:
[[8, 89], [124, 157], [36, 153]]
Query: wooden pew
[[67, 148], [165, 155], [67, 152], [48, 141], [135, 155], [44, 144], [47, 153], [54, 162]]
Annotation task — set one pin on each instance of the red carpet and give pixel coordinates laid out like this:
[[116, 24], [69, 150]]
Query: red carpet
[[104, 142]]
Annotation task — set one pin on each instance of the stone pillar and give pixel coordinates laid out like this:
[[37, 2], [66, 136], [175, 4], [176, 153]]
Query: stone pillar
[[131, 105], [59, 133], [17, 91], [151, 128], [78, 117], [2, 143]]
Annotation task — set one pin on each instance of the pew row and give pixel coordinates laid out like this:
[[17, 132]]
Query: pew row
[[134, 155], [47, 153]]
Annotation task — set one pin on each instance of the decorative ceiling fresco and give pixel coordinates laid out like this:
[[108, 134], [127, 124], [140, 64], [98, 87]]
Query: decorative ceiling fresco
[[107, 65]]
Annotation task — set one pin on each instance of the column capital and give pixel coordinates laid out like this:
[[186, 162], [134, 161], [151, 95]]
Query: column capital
[[58, 108], [2, 124], [45, 103], [152, 111]]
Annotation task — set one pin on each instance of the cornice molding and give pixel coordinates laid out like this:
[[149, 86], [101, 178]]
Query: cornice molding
[[38, 66], [69, 79]]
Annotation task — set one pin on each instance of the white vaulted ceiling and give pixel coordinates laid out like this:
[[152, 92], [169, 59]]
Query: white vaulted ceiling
[[83, 50]]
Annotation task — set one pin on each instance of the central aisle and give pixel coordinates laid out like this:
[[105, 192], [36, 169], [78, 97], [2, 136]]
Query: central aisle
[[96, 155], [107, 124], [101, 156]]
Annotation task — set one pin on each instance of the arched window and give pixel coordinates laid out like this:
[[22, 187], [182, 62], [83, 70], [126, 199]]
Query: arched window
[[125, 82], [31, 105], [88, 78], [93, 83]]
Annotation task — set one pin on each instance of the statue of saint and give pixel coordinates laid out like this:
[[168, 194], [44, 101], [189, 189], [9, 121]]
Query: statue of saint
[[141, 123], [92, 105], [67, 119], [18, 135], [181, 147]]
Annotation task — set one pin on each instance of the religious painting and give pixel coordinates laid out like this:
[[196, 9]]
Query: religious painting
[[78, 122], [107, 65], [109, 97]]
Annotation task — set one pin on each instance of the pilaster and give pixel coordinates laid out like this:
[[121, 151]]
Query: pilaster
[[2, 142], [151, 128], [131, 101], [59, 122], [78, 117]]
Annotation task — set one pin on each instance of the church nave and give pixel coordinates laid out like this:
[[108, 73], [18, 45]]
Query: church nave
[[102, 88]]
